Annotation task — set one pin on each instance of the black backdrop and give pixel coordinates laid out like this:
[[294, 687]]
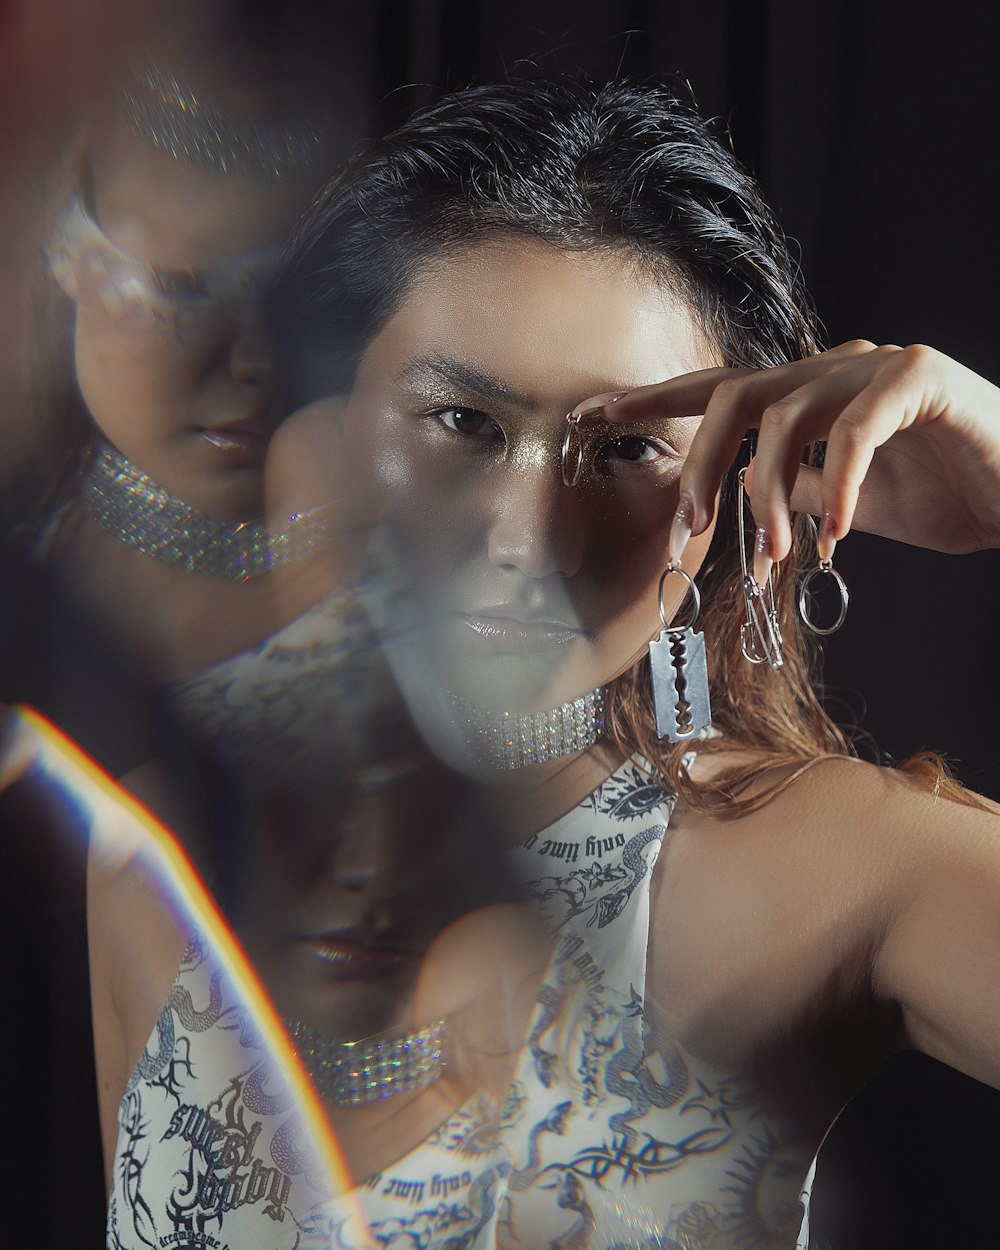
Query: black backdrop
[[872, 126]]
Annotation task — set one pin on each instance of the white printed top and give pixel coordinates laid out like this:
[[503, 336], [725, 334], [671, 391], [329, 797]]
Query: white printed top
[[609, 1139]]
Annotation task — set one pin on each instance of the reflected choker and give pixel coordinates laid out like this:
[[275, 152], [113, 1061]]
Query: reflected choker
[[508, 740], [142, 515], [356, 1074]]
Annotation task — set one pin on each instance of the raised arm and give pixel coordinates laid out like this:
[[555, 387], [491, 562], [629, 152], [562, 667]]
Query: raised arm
[[913, 446]]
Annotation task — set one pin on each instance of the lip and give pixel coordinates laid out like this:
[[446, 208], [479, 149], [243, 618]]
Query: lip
[[238, 444], [347, 957], [505, 632]]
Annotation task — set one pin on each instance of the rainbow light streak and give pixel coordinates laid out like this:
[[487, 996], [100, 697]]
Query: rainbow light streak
[[123, 828]]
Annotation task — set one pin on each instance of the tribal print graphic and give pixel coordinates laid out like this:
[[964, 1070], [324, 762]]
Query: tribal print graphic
[[233, 1144]]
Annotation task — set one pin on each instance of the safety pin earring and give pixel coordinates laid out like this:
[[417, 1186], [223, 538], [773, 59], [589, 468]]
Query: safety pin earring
[[679, 671], [760, 634]]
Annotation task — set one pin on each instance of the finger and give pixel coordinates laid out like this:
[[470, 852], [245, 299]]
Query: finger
[[782, 397], [787, 427], [870, 420], [687, 394], [683, 396], [596, 404], [876, 512]]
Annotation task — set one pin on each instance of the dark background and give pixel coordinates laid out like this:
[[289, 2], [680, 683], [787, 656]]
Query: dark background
[[872, 126]]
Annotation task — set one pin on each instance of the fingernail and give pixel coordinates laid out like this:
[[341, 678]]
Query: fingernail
[[762, 562], [597, 403], [680, 530], [826, 540]]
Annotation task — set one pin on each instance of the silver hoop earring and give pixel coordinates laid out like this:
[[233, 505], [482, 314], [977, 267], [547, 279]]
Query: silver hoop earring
[[679, 670], [760, 634], [826, 569], [572, 450]]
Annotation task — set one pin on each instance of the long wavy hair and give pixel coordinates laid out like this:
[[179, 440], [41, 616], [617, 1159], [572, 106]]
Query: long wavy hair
[[623, 170]]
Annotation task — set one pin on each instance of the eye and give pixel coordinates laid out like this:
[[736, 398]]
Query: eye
[[637, 802], [470, 422], [634, 450]]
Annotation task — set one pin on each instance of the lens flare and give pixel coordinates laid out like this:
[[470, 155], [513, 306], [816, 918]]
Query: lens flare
[[121, 829]]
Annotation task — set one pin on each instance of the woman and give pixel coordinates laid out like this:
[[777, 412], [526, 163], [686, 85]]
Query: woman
[[143, 494], [745, 925]]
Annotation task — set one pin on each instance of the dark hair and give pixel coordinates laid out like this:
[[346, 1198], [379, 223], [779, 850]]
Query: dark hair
[[615, 168]]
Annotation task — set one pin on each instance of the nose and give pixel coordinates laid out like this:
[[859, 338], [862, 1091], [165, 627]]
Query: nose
[[251, 354], [537, 525], [357, 858]]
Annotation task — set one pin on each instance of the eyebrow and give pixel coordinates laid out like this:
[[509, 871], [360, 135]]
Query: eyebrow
[[466, 376]]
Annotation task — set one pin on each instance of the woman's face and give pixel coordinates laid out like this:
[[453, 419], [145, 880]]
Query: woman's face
[[522, 592], [171, 354]]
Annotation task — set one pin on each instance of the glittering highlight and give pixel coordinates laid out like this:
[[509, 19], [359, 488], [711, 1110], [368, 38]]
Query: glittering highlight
[[166, 113]]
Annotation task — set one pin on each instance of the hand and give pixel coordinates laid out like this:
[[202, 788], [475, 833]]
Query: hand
[[913, 446]]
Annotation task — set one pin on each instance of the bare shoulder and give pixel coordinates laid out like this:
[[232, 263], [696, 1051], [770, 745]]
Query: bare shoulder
[[843, 838], [792, 912], [840, 803], [133, 918]]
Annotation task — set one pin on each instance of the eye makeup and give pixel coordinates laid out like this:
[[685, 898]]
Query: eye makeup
[[478, 407]]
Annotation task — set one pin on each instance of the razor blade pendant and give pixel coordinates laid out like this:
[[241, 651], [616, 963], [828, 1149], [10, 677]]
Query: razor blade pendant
[[680, 684]]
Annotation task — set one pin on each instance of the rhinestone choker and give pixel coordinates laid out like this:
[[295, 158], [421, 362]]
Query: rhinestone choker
[[356, 1074], [508, 740], [142, 515]]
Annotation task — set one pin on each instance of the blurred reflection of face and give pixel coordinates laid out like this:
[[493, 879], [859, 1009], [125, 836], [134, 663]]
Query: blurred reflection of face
[[171, 354], [525, 593], [348, 889]]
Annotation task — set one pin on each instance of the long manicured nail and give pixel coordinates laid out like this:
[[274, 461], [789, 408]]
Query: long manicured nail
[[596, 404], [762, 562], [826, 540], [680, 530]]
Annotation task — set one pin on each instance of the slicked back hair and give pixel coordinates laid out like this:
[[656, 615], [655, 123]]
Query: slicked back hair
[[617, 168]]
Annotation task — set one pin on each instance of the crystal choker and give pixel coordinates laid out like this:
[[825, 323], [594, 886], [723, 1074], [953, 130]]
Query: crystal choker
[[142, 515], [508, 740], [356, 1074]]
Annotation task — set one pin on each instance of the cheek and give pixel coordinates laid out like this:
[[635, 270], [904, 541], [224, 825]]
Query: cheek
[[627, 531], [436, 504], [626, 556], [123, 374]]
